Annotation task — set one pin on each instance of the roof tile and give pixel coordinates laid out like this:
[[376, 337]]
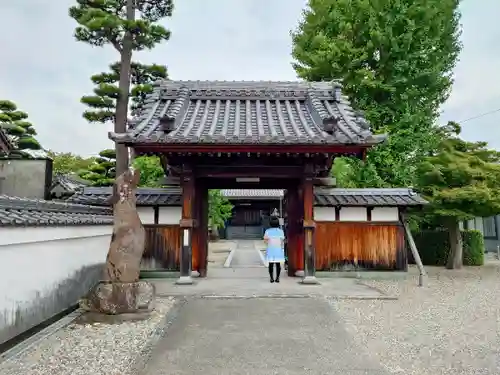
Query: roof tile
[[15, 211], [101, 196], [323, 196], [249, 112]]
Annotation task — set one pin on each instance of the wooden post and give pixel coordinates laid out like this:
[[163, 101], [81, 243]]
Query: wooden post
[[187, 225], [299, 232], [309, 226], [413, 247], [292, 201], [196, 231], [203, 232]]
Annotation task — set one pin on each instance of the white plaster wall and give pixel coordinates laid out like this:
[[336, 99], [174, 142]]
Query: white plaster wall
[[170, 215], [324, 213], [146, 214], [385, 214], [353, 214], [33, 261]]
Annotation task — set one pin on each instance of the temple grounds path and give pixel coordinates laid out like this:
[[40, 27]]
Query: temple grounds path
[[259, 336]]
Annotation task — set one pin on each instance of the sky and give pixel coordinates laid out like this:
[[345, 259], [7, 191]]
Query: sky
[[45, 71]]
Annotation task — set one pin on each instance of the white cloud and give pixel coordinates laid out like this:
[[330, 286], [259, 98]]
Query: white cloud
[[45, 71]]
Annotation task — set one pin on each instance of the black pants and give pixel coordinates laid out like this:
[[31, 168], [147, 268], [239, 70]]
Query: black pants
[[278, 270]]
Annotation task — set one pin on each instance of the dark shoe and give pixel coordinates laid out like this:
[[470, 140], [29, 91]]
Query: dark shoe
[[272, 281], [277, 280]]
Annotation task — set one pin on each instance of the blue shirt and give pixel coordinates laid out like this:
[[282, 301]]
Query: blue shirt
[[275, 251]]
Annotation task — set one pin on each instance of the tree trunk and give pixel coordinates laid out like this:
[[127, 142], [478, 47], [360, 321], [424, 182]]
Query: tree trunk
[[120, 291], [128, 240], [455, 258], [121, 114]]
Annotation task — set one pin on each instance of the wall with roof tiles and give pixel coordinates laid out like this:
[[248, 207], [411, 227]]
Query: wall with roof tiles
[[47, 269]]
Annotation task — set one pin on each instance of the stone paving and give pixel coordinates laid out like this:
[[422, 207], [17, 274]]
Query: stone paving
[[218, 251], [259, 337], [247, 254]]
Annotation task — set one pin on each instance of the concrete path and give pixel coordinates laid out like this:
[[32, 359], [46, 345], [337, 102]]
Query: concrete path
[[254, 282], [246, 255], [258, 337]]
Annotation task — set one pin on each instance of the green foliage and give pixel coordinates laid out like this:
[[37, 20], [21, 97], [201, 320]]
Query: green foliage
[[128, 26], [102, 171], [103, 103], [434, 247], [395, 59], [219, 209], [151, 170], [19, 131], [66, 162], [354, 173], [461, 179], [107, 22]]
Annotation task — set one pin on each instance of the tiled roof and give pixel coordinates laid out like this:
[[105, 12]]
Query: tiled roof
[[252, 193], [241, 112], [323, 196], [101, 196], [69, 183], [367, 197], [15, 211]]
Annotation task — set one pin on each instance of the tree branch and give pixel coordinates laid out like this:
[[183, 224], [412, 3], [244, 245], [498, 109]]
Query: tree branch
[[116, 44]]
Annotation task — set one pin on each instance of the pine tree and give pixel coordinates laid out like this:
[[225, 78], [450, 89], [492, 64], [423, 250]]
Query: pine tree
[[20, 132], [128, 26], [102, 171], [103, 103]]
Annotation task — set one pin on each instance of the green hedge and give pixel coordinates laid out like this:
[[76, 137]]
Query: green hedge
[[434, 247]]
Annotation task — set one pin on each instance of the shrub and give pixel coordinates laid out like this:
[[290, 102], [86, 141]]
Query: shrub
[[434, 247]]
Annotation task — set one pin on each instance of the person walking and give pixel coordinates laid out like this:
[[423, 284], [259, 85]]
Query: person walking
[[274, 238]]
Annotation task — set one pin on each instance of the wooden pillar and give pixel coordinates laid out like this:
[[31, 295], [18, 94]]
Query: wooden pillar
[[294, 220], [203, 232], [300, 233], [196, 230], [309, 226], [187, 225]]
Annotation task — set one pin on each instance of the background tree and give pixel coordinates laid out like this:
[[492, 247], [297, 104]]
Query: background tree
[[104, 101], [395, 59], [67, 163], [128, 26], [19, 131], [102, 171], [461, 181], [151, 171], [219, 210]]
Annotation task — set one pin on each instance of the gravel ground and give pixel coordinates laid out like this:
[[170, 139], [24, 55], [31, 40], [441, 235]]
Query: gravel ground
[[450, 326], [91, 348]]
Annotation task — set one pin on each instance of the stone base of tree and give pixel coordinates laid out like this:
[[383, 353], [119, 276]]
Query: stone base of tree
[[118, 298]]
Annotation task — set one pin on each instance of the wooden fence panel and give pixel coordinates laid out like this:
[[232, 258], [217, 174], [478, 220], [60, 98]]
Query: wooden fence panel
[[376, 246], [162, 249]]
